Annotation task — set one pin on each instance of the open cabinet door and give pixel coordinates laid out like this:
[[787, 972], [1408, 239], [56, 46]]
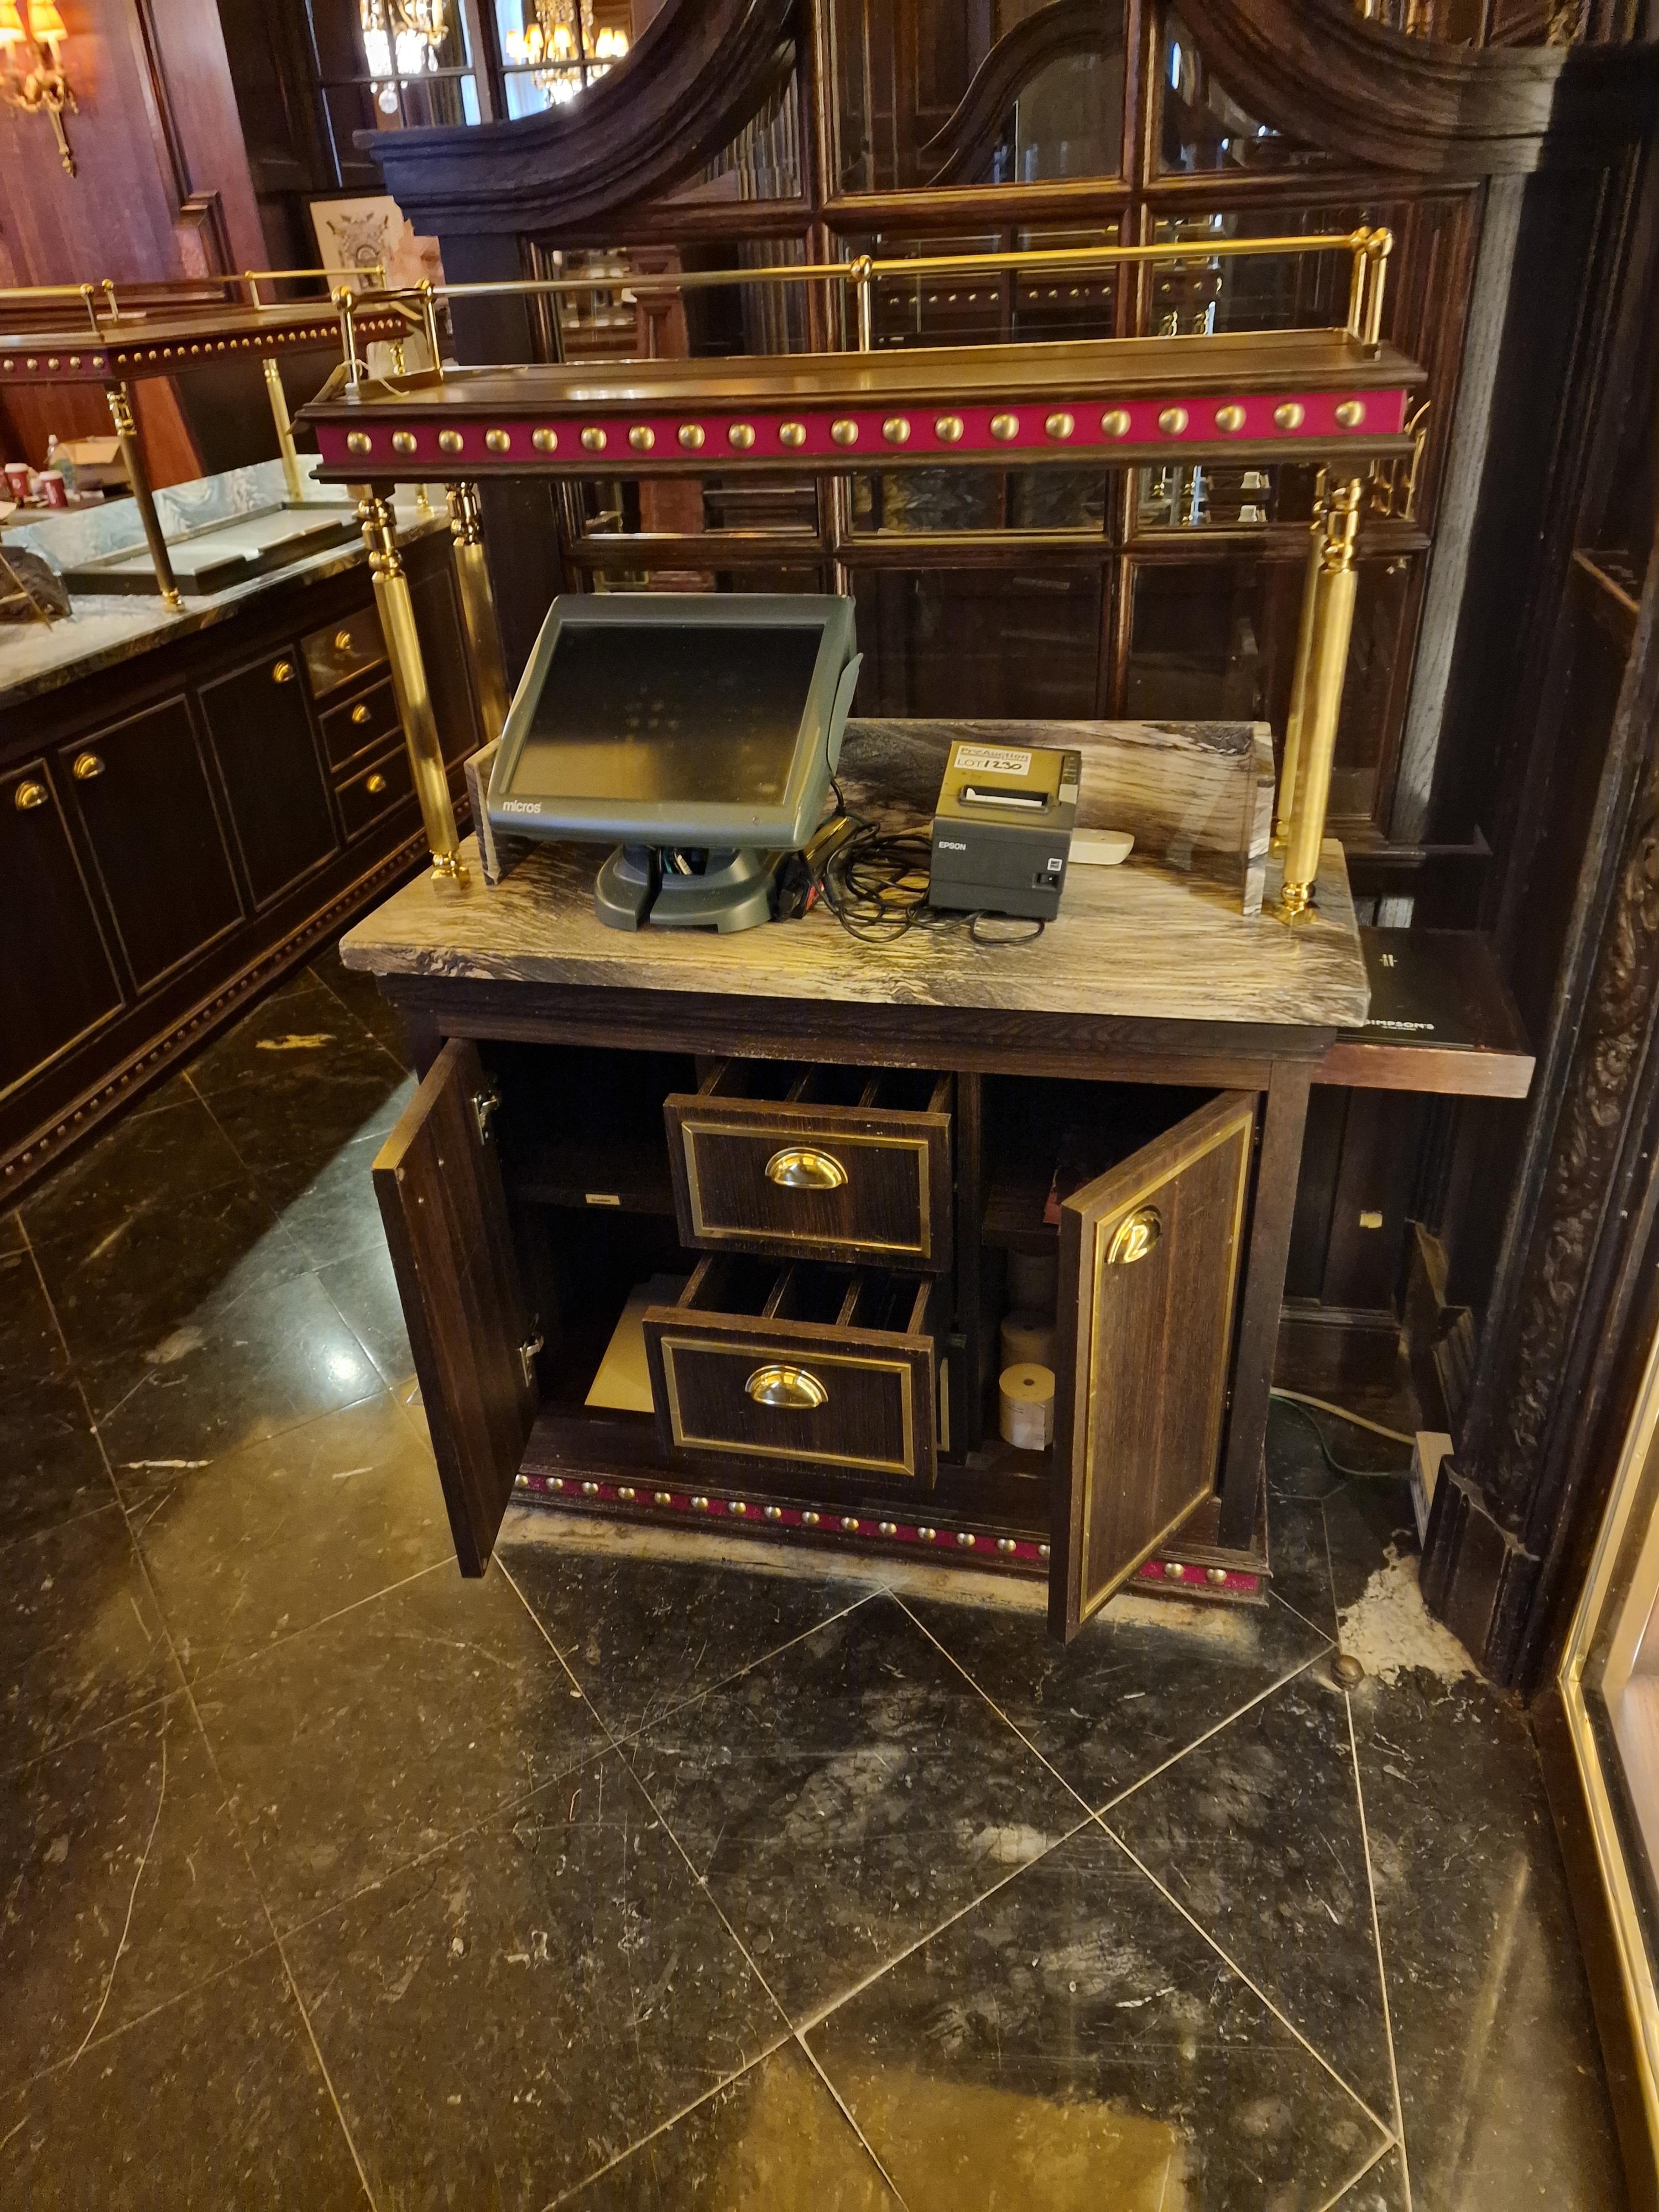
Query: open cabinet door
[[439, 1182], [1148, 1263]]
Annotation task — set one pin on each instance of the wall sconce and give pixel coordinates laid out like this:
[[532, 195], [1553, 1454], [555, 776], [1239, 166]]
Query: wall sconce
[[32, 33]]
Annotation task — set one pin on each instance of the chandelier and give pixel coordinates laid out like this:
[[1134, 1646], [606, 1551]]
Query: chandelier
[[556, 41], [401, 38]]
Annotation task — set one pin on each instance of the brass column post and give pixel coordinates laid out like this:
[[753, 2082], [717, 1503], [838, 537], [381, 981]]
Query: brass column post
[[132, 458], [484, 635], [409, 684], [1327, 662], [279, 416], [1305, 638]]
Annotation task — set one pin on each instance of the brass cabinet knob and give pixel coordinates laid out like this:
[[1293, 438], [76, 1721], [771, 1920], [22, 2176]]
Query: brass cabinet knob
[[282, 673], [1134, 1237], [794, 1389], [342, 640], [376, 783], [360, 713], [86, 765], [798, 1167], [29, 794]]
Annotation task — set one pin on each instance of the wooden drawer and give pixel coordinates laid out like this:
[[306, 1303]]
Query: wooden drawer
[[356, 725], [815, 1369], [384, 784], [819, 1163], [342, 649]]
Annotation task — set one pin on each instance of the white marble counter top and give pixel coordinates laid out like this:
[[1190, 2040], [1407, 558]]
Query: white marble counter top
[[102, 628]]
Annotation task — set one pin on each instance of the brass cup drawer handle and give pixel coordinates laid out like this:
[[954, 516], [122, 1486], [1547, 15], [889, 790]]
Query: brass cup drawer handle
[[28, 795], [796, 1390], [798, 1167], [342, 640], [282, 673], [376, 783], [86, 765], [1134, 1237], [360, 714]]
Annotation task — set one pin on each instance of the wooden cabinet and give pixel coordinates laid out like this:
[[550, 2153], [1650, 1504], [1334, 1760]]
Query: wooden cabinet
[[56, 983], [260, 729], [145, 804]]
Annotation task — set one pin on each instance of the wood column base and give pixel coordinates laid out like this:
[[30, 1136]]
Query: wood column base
[[1477, 1577]]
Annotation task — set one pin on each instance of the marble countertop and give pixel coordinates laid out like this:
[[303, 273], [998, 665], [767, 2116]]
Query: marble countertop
[[103, 629], [1161, 938]]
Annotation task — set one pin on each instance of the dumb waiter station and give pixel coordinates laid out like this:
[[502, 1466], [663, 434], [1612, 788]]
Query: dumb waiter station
[[880, 1227]]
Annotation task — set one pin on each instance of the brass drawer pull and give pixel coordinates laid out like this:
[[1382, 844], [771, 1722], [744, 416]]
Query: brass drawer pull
[[794, 1388], [376, 783], [28, 795], [1134, 1237], [360, 713], [342, 640], [87, 765], [282, 673], [799, 1167]]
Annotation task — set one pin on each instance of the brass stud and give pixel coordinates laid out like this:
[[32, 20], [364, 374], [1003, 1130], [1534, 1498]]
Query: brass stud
[[1291, 416], [641, 437], [1006, 1543], [1114, 422], [558, 1482], [74, 359], [809, 1520], [33, 360], [359, 441], [1043, 1551], [1216, 1575], [887, 1528], [1004, 426], [897, 430], [849, 1521], [948, 429], [775, 1513], [965, 1540], [662, 1498], [740, 435], [450, 441], [792, 433], [700, 1506], [403, 441], [498, 441], [53, 363], [844, 432], [927, 1535], [594, 438], [626, 1492], [1172, 422], [1348, 1670], [1173, 1570], [545, 440], [1229, 419], [691, 436], [1061, 424], [736, 1505], [590, 1489], [1351, 414]]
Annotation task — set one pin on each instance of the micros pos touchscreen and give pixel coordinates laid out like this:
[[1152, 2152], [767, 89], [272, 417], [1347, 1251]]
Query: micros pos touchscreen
[[700, 731], [1002, 829]]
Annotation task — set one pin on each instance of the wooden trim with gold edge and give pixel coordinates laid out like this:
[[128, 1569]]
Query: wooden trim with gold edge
[[767, 1349], [841, 1139]]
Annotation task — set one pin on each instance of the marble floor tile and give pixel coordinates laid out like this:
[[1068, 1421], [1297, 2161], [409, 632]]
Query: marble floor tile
[[1382, 2189], [365, 1293], [1073, 2043], [298, 1027], [269, 1539], [122, 1886], [288, 1124], [642, 1636], [1502, 2094], [363, 996], [32, 1346], [1365, 1521], [12, 1238], [775, 2137], [51, 1466], [1296, 1466], [81, 1643], [215, 2101], [845, 1797], [337, 1216], [1301, 1560], [233, 1372], [374, 1736], [1143, 1680], [506, 2017], [1257, 1833], [160, 1161]]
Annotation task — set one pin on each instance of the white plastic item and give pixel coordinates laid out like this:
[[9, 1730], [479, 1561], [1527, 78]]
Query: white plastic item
[[1100, 849], [1025, 1398]]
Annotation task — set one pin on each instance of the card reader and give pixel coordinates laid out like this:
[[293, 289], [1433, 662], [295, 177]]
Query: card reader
[[1002, 829]]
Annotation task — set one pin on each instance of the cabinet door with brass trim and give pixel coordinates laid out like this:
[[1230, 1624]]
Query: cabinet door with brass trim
[[439, 1183], [1150, 1255]]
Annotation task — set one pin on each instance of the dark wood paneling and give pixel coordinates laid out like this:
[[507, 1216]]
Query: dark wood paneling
[[259, 726], [438, 1184], [56, 982], [149, 818], [1284, 1117]]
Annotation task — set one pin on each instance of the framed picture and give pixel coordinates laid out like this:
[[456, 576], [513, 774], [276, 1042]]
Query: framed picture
[[373, 232]]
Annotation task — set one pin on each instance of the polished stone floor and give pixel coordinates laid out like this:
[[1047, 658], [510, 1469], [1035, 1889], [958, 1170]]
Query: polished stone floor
[[623, 1880]]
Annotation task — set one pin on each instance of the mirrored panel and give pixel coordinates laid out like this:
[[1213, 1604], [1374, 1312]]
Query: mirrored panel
[[683, 507], [1002, 640], [1200, 126], [922, 502], [991, 307], [1222, 495], [1206, 294], [552, 50]]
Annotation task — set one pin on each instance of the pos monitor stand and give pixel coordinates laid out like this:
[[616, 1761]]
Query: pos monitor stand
[[699, 732]]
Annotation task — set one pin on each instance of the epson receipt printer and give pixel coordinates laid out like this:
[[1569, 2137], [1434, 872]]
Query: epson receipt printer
[[1002, 829]]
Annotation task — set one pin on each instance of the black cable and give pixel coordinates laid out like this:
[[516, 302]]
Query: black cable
[[876, 884]]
